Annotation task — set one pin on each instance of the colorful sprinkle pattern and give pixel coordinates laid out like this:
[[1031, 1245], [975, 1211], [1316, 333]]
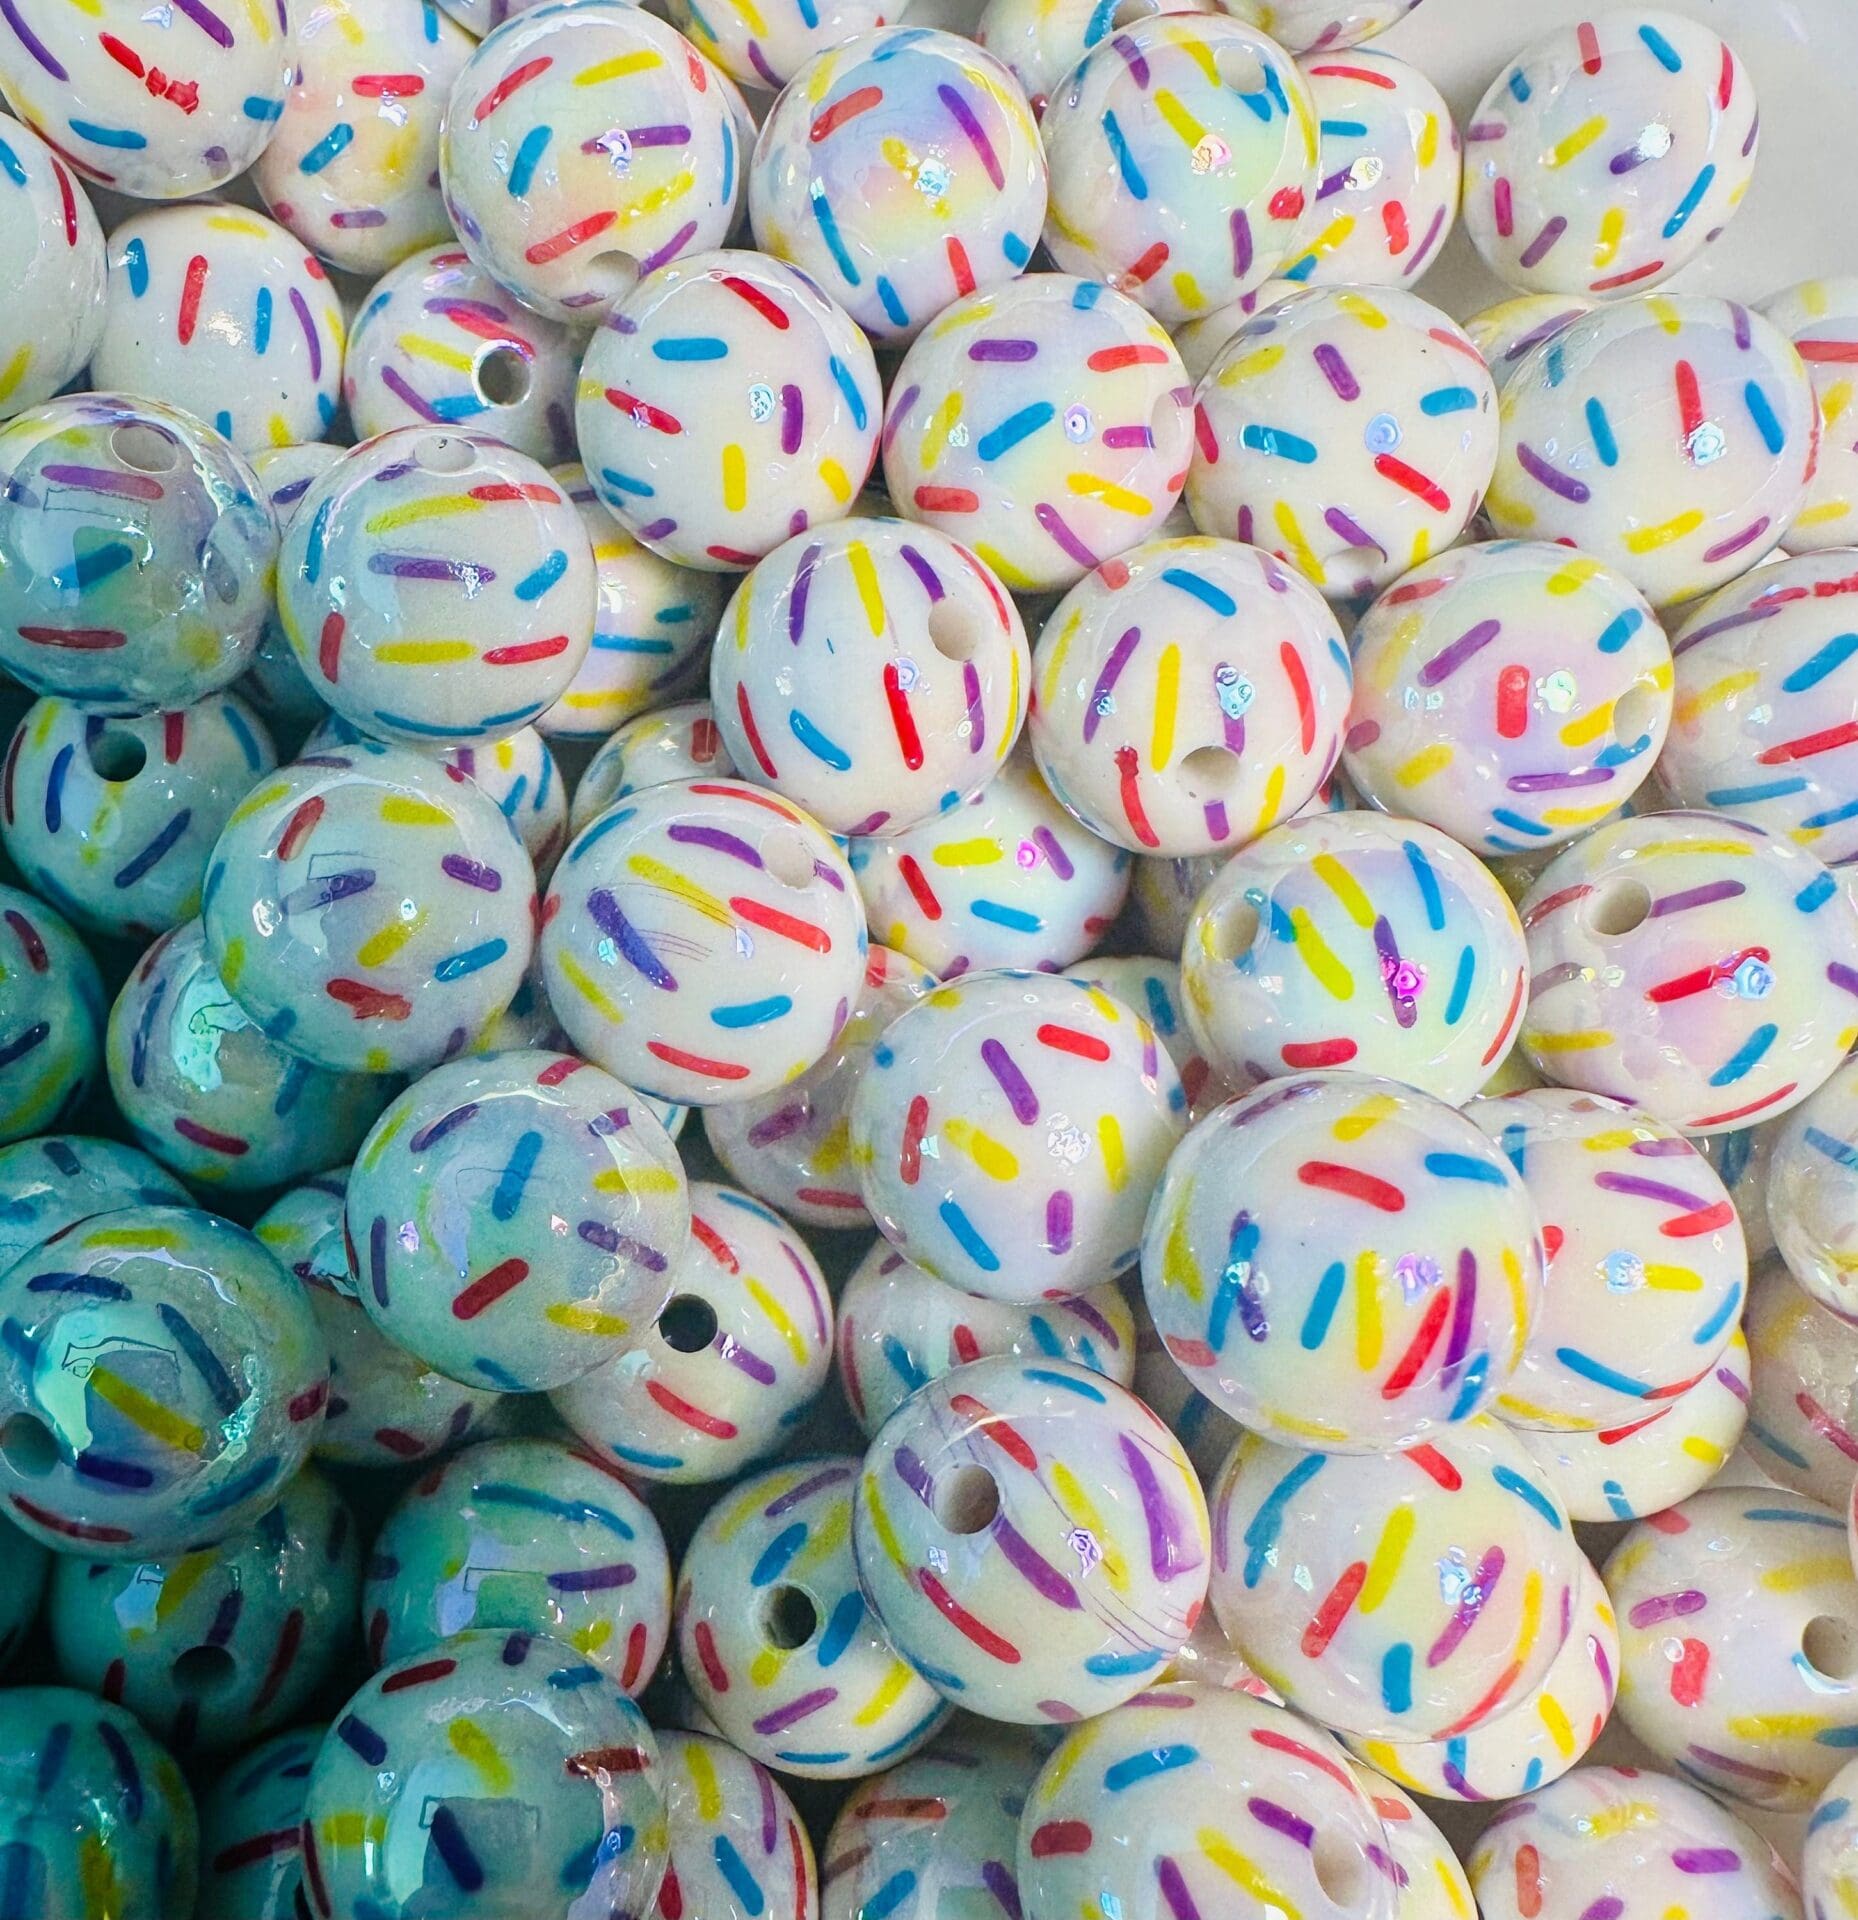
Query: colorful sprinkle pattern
[[50, 237], [764, 43], [57, 1179], [738, 1849], [678, 742], [1803, 1390], [51, 1017], [1812, 1190], [1040, 41], [1821, 318], [251, 1843]]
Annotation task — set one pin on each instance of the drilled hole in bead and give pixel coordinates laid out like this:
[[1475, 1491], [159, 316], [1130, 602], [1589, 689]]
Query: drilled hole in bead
[[966, 1499], [502, 377], [1128, 12], [951, 631], [1234, 928], [1619, 907], [789, 1618], [786, 857], [1163, 417], [1341, 1870], [1209, 773], [115, 755], [610, 276], [1633, 714], [144, 448], [1829, 1646], [1241, 69], [201, 1671], [443, 453], [27, 1446], [688, 1323]]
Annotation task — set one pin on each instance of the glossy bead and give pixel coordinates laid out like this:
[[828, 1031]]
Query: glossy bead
[[784, 1655], [1803, 1390], [1681, 495], [209, 1650], [51, 1019], [1207, 1431], [892, 245], [704, 942], [1673, 952], [49, 232], [503, 1771], [1190, 695], [1179, 225], [1194, 1799], [251, 1847], [1201, 340], [273, 685], [1434, 1886], [212, 1397], [1352, 433], [1510, 695], [208, 1094], [51, 1182], [1821, 318], [738, 1848], [1012, 1131], [1033, 1538], [113, 1814], [1322, 26], [1040, 41], [731, 1362], [1509, 332], [1389, 900], [155, 627], [458, 1191], [1829, 1858], [1606, 156], [549, 193], [1743, 1159], [678, 742], [114, 819], [323, 963], [1812, 1194], [765, 47], [1006, 879], [1473, 1564], [1153, 988]]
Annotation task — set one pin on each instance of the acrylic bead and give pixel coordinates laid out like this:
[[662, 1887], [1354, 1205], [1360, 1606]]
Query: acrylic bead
[[51, 1017], [1812, 1194], [353, 169], [1766, 705], [178, 544], [1190, 694], [1033, 1539], [480, 16], [584, 149], [1153, 988], [784, 1654], [1743, 1159], [89, 1804], [1738, 1621], [1006, 879], [211, 1396], [1351, 433], [1510, 695], [1821, 318], [1040, 41], [114, 819], [1473, 1565], [1388, 901], [503, 1772], [705, 941], [1201, 340], [55, 1180], [1162, 1805], [679, 742], [738, 1848], [332, 969], [793, 1146], [1691, 963], [766, 46], [209, 1650], [273, 684], [1434, 1886], [730, 1363], [1207, 1431], [1803, 1390], [205, 1090], [1616, 1838], [465, 1180], [251, 1847], [1011, 1131], [713, 485], [1509, 332], [1608, 155], [50, 237], [1829, 1858], [1669, 437], [1322, 26], [896, 243]]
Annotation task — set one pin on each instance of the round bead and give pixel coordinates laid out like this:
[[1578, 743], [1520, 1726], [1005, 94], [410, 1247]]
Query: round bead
[[209, 1650], [1608, 155], [208, 1397], [455, 1197], [1671, 438], [54, 1181], [1829, 1858], [113, 479], [1160, 1807], [51, 1019], [1510, 695], [1153, 988], [319, 960], [1690, 962], [1738, 1634], [738, 1847], [1208, 1432], [115, 819], [765, 47], [480, 16], [1434, 1886], [1353, 433], [1803, 1390], [1181, 212], [1321, 26], [1040, 41], [1006, 879], [1011, 1133], [251, 1849], [273, 685], [705, 941], [1742, 1159], [548, 181], [1812, 1194], [90, 1804], [505, 1773], [1388, 901], [1821, 318], [1190, 695], [917, 622], [534, 1536], [894, 242], [794, 442], [792, 1146], [678, 742], [208, 1094], [1032, 1538], [1474, 1571], [1201, 340], [784, 1655], [54, 247], [1509, 332]]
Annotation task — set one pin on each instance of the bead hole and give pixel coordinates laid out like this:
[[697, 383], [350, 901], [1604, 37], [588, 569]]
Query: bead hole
[[1163, 417], [443, 453], [502, 377], [1829, 1646], [789, 1618], [1209, 773], [951, 631], [688, 1323], [1240, 68], [787, 858], [27, 1446], [1128, 12], [1633, 713], [966, 1499], [202, 1671], [116, 756], [145, 449], [610, 276], [1619, 907], [1234, 929], [1341, 1871]]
